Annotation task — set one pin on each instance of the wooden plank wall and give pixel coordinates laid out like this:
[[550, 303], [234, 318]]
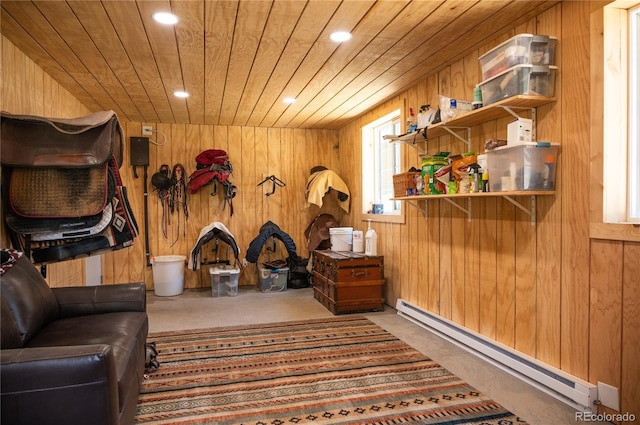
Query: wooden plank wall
[[255, 153], [549, 291], [27, 89]]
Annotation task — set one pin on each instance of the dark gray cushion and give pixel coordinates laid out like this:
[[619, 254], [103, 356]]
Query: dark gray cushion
[[27, 299], [9, 334], [125, 332]]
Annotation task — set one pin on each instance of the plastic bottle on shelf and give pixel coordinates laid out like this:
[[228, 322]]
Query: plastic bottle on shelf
[[477, 97], [474, 177], [411, 122], [513, 183], [371, 241], [547, 175], [485, 181]]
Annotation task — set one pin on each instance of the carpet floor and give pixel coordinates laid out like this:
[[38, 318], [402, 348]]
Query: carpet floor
[[343, 370]]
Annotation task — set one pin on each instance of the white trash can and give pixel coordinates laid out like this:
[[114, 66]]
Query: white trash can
[[168, 274]]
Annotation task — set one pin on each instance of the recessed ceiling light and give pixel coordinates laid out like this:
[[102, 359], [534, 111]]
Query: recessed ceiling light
[[289, 100], [340, 36], [165, 18], [180, 94]]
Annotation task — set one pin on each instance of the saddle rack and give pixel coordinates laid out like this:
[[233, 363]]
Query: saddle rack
[[276, 182]]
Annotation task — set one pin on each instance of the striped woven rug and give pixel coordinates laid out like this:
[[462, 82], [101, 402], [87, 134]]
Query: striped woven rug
[[343, 370]]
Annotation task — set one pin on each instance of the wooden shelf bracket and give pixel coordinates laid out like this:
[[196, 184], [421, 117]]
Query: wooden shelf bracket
[[448, 129], [530, 211], [467, 210], [510, 110], [415, 204], [414, 140]]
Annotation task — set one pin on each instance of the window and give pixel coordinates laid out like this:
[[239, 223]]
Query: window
[[621, 171], [380, 161], [634, 115]]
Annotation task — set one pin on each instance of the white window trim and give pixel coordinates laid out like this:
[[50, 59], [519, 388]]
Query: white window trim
[[602, 227], [633, 204], [398, 217], [617, 173]]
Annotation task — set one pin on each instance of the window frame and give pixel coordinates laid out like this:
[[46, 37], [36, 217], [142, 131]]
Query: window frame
[[633, 192], [607, 115], [368, 128]]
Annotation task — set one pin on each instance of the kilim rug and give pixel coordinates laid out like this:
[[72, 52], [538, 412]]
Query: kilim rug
[[344, 370]]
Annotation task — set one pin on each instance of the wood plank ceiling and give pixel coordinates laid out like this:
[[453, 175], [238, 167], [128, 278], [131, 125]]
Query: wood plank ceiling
[[239, 59]]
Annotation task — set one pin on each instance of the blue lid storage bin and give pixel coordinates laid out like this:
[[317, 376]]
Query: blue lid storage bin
[[520, 79], [272, 280], [523, 167]]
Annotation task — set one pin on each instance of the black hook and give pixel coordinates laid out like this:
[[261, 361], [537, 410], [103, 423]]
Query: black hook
[[276, 182]]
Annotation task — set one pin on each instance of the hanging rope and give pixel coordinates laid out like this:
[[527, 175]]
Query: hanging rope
[[178, 199], [162, 183]]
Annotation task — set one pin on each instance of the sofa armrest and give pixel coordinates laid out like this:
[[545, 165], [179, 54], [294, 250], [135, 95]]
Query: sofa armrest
[[84, 300], [59, 385]]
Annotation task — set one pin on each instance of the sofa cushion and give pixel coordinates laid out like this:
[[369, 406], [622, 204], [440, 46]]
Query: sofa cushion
[[9, 335], [27, 298], [125, 332]]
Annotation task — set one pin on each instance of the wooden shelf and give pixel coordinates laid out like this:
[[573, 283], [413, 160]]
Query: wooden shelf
[[509, 196], [500, 109], [475, 195], [416, 140]]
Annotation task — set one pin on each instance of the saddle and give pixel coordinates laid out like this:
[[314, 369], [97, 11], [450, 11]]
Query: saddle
[[63, 195], [213, 166]]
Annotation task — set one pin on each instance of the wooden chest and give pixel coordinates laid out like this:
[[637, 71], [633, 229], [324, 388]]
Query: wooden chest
[[347, 282]]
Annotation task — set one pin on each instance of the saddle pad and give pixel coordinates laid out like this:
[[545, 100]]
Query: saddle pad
[[56, 192], [33, 141], [73, 228], [35, 226]]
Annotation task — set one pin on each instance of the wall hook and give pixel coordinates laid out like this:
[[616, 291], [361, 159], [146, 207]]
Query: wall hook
[[276, 182]]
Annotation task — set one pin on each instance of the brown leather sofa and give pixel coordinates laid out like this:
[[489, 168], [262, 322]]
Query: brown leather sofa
[[73, 355]]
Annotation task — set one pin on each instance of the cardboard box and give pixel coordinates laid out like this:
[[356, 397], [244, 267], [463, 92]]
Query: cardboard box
[[520, 132]]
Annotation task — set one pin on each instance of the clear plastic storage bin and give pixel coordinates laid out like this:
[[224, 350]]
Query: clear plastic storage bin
[[522, 49], [521, 79], [224, 281], [271, 280], [524, 167]]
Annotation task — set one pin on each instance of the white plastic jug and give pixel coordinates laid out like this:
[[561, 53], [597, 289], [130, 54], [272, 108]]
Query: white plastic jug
[[371, 242]]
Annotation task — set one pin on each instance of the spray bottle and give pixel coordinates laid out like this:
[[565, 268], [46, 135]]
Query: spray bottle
[[411, 122], [371, 241], [474, 177]]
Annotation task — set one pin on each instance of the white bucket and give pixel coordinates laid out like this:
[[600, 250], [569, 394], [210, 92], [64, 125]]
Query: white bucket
[[341, 238], [168, 275]]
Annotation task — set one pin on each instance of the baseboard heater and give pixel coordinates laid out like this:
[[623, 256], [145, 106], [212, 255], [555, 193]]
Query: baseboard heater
[[567, 388]]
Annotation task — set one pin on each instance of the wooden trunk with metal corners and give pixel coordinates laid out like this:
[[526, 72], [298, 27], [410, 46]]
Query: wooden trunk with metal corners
[[348, 282]]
